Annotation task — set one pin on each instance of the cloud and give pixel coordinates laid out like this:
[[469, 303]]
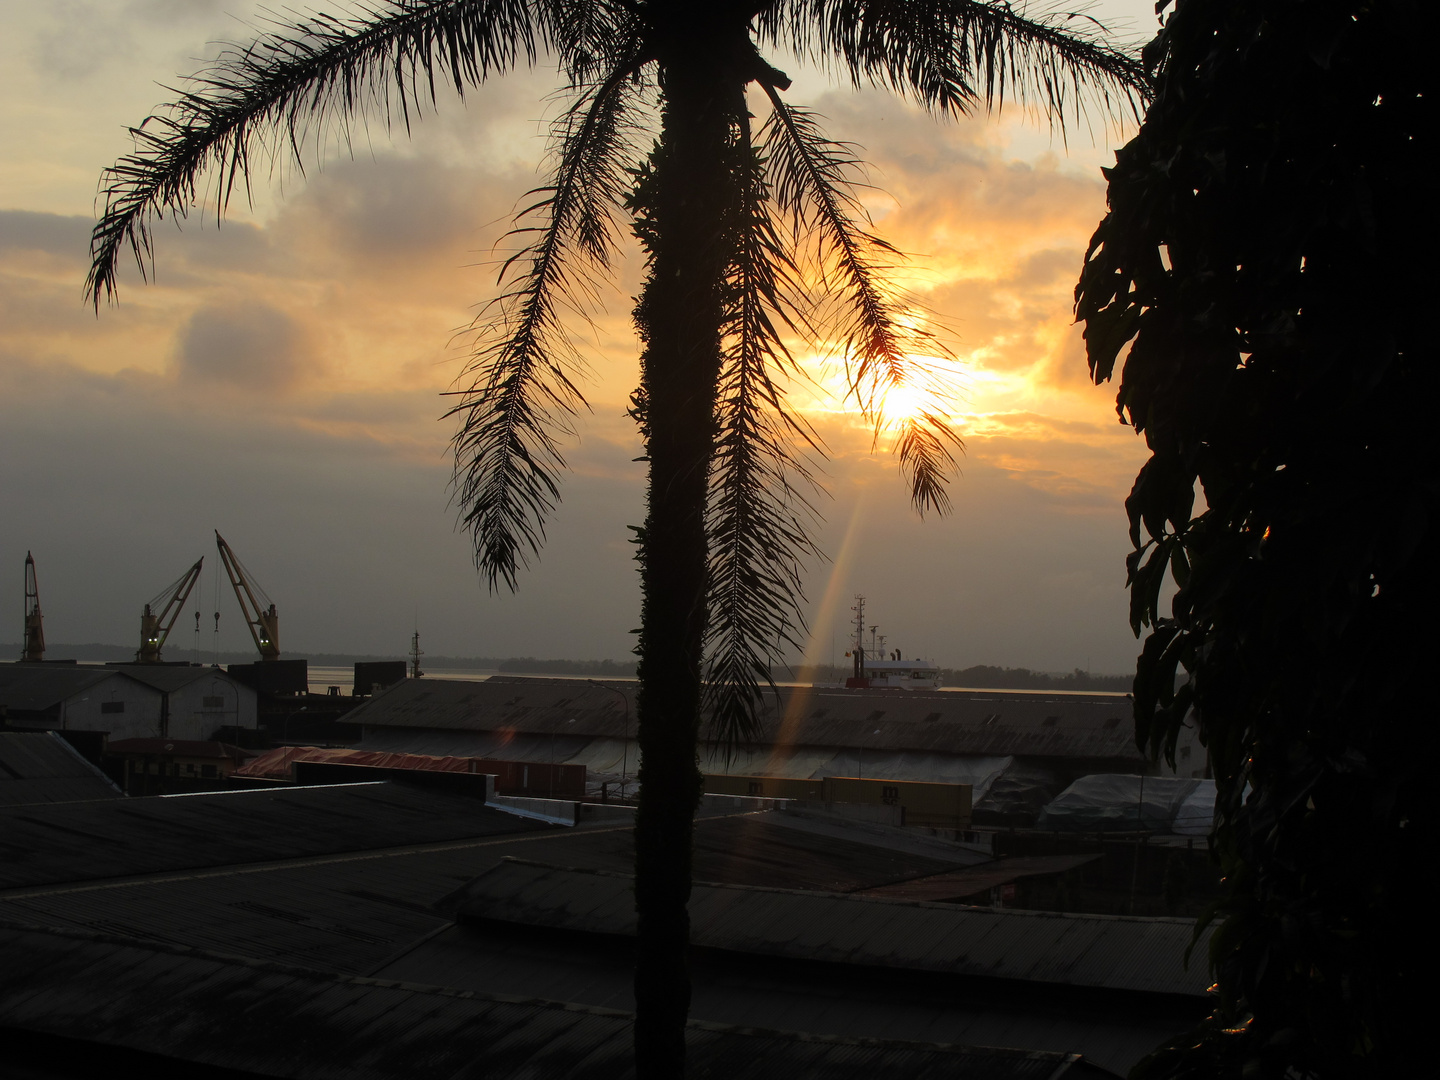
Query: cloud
[[65, 237], [395, 207], [280, 381], [253, 347]]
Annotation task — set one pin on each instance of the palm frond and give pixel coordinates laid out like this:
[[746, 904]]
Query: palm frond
[[592, 36], [758, 517], [814, 180], [269, 98], [951, 55], [522, 375]]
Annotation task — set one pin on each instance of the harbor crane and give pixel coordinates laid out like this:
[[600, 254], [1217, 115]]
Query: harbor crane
[[155, 628], [34, 624], [263, 622]]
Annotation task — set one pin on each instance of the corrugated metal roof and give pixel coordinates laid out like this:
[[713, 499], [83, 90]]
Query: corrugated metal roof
[[1103, 951], [38, 687], [278, 1020], [760, 849], [45, 845], [950, 722], [336, 913], [41, 767], [170, 677], [749, 991]]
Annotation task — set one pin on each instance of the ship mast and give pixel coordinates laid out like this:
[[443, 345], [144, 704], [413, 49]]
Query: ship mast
[[34, 622], [859, 609]]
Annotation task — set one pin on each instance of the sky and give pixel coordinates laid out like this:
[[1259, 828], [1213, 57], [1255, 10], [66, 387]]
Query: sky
[[280, 379]]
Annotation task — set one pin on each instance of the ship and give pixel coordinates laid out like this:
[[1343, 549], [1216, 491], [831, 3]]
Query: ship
[[878, 668]]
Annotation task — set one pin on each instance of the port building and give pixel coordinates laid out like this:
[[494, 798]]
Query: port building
[[125, 701]]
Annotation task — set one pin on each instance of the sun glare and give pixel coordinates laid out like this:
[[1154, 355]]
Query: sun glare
[[904, 401]]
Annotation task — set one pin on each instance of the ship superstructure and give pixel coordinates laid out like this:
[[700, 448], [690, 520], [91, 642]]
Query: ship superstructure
[[877, 667]]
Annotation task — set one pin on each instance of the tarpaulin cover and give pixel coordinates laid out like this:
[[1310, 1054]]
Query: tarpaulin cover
[[1017, 795], [1116, 801]]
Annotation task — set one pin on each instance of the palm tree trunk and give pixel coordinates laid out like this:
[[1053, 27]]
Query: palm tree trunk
[[680, 317]]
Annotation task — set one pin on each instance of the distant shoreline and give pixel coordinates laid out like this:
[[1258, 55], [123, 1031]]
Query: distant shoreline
[[978, 678]]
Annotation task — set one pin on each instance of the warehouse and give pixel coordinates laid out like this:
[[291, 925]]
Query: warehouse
[[1017, 750], [125, 701]]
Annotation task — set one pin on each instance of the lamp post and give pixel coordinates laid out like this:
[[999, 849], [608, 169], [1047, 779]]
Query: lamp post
[[625, 736], [553, 729]]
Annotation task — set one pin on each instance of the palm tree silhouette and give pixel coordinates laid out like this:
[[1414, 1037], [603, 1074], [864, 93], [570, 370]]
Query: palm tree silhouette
[[750, 233]]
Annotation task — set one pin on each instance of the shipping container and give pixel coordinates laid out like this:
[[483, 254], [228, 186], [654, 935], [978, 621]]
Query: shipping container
[[935, 805]]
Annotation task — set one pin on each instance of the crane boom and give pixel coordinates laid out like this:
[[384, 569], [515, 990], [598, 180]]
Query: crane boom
[[154, 629], [34, 624], [264, 623]]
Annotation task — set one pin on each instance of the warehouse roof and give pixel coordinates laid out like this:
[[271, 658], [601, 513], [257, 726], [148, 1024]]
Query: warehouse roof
[[171, 677], [38, 687], [953, 722], [346, 913], [352, 911], [1097, 951], [279, 1020], [41, 767], [71, 842], [760, 849]]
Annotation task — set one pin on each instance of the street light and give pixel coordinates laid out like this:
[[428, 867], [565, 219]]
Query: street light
[[625, 737], [859, 759], [553, 729]]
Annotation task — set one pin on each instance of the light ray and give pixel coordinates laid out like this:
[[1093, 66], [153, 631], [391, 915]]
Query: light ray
[[824, 620]]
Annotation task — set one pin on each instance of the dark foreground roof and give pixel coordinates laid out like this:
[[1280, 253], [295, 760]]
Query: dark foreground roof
[[74, 842], [346, 913], [353, 911], [41, 767], [1103, 952], [268, 1019], [767, 849]]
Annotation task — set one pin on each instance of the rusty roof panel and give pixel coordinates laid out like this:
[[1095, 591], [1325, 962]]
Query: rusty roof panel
[[959, 884], [1111, 952]]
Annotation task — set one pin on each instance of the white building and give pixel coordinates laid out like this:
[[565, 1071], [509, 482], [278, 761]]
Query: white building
[[130, 701], [198, 701]]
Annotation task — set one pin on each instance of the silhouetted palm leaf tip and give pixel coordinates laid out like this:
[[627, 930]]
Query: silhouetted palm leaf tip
[[803, 260]]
